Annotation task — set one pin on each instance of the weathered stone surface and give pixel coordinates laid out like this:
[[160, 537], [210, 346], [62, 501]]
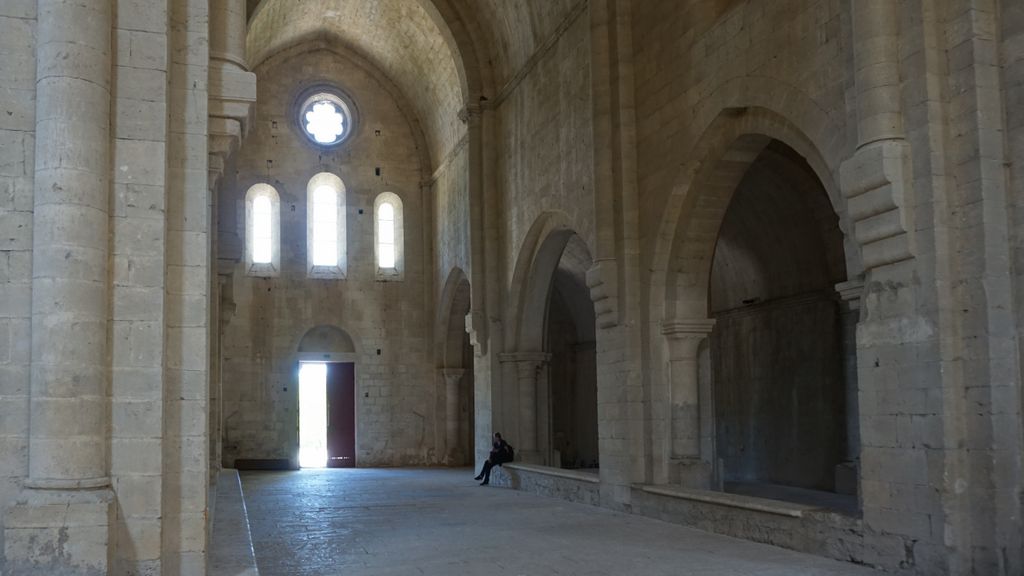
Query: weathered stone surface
[[887, 245]]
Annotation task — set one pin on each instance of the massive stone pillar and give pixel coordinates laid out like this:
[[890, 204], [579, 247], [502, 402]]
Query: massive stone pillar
[[684, 339], [452, 379], [61, 522]]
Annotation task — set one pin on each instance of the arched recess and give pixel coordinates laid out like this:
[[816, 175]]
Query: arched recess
[[454, 359], [556, 364], [326, 343], [776, 268], [701, 192]]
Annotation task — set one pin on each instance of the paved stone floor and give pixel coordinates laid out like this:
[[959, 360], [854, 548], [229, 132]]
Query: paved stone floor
[[440, 522]]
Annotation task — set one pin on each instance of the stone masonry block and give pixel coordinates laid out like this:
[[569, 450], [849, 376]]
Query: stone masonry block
[[18, 9], [135, 456], [141, 538], [142, 15], [140, 84], [139, 162], [55, 532]]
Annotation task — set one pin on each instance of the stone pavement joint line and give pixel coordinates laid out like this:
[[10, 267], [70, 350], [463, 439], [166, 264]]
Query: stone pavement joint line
[[440, 522]]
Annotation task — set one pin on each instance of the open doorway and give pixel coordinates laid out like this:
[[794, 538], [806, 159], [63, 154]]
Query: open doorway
[[313, 415], [327, 415]]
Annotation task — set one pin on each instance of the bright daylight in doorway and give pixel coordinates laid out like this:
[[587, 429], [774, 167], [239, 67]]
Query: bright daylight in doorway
[[313, 415]]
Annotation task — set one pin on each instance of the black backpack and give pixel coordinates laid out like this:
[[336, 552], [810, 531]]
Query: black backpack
[[510, 451]]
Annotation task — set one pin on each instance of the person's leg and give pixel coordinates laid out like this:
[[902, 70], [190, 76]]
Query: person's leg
[[487, 473]]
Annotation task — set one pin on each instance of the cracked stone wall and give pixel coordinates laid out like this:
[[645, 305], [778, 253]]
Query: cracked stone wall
[[387, 320]]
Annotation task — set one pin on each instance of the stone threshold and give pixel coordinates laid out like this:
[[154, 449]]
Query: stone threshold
[[556, 472], [740, 501]]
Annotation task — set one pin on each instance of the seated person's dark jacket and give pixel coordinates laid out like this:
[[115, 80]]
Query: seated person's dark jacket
[[500, 453]]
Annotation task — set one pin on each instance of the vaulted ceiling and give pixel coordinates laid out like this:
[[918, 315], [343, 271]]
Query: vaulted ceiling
[[437, 52]]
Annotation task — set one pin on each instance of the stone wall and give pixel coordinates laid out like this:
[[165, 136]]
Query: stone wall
[[17, 152], [779, 409], [545, 151], [451, 220], [396, 417]]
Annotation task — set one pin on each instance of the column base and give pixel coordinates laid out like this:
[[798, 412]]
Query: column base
[[68, 532], [691, 473], [846, 478]]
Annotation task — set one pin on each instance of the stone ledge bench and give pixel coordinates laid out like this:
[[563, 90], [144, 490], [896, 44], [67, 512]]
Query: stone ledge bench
[[571, 485], [231, 552]]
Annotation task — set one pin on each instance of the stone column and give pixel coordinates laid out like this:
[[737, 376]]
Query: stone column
[[70, 284], [684, 339], [849, 316], [67, 502], [228, 23], [528, 369], [232, 87], [876, 178], [452, 380]]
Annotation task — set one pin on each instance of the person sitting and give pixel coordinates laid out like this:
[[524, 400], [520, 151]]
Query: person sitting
[[501, 452]]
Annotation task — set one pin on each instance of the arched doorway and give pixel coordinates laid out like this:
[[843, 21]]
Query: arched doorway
[[327, 399], [777, 360], [456, 373]]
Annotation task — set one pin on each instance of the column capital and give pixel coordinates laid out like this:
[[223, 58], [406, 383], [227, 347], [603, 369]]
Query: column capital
[[523, 357], [452, 373], [684, 336], [689, 328], [851, 292]]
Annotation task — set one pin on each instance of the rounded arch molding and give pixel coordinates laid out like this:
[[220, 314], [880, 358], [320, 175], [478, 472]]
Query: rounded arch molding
[[538, 257], [326, 343], [456, 286], [732, 139]]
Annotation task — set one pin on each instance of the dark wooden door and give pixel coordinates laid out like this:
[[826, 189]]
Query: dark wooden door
[[341, 415]]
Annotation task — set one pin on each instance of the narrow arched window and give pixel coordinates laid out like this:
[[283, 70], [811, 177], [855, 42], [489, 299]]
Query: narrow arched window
[[262, 217], [389, 236], [386, 238], [262, 237], [325, 230]]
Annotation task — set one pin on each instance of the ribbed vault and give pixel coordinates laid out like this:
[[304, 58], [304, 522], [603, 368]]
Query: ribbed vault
[[402, 38], [415, 45]]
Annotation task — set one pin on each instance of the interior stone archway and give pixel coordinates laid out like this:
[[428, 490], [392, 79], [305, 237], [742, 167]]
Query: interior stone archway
[[759, 266], [455, 371], [777, 363], [554, 368]]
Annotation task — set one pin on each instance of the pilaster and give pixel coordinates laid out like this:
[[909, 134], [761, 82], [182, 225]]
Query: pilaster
[[528, 370], [688, 466]]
